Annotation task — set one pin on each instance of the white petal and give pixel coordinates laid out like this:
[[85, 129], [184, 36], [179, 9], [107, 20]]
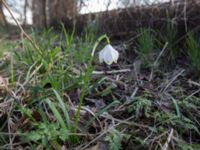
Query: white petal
[[101, 56], [109, 47], [108, 58], [116, 56], [108, 54]]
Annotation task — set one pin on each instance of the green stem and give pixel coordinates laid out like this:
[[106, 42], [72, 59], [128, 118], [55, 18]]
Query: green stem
[[12, 70], [86, 79], [98, 41]]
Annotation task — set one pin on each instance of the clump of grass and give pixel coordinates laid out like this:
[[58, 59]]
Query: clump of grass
[[52, 67], [146, 45], [170, 35], [193, 50]]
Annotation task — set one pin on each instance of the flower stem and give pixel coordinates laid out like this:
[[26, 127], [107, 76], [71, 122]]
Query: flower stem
[[98, 41], [87, 79]]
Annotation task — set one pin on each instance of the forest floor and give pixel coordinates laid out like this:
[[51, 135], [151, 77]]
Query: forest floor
[[60, 97]]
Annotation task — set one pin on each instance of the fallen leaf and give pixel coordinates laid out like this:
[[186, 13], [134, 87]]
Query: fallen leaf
[[96, 147], [3, 83]]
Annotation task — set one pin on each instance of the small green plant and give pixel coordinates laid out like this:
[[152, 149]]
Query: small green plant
[[193, 49], [141, 106], [47, 135], [47, 131], [146, 45], [182, 145], [181, 123], [114, 139]]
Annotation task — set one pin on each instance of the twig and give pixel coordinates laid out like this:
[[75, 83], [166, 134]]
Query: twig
[[91, 112], [78, 72], [156, 61], [166, 145], [136, 68], [185, 15], [20, 27], [134, 93], [164, 47], [125, 122], [157, 138], [194, 83], [9, 131], [173, 79], [111, 72], [195, 92], [102, 134], [131, 98], [28, 77]]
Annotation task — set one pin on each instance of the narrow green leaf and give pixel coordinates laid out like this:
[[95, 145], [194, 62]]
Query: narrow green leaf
[[63, 107], [56, 113]]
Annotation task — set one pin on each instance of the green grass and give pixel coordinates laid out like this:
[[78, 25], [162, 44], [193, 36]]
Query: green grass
[[170, 35], [146, 45], [53, 99], [193, 50]]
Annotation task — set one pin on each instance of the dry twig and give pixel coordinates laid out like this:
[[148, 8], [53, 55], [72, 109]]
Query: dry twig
[[166, 145], [156, 61], [20, 27]]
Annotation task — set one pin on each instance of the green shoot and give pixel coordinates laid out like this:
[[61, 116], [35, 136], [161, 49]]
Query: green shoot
[[146, 45], [193, 49]]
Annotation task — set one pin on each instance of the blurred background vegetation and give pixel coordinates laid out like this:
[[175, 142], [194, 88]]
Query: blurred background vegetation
[[118, 18]]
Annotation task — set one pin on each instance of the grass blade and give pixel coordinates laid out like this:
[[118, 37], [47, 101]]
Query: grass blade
[[56, 113], [63, 107]]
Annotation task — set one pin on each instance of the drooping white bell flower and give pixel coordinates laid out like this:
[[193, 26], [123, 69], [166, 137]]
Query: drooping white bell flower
[[108, 55]]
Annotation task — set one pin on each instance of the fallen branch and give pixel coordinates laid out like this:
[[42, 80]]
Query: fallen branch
[[111, 72]]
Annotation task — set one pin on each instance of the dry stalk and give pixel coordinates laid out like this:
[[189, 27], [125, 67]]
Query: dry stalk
[[156, 61], [194, 83], [85, 109], [111, 72], [104, 132], [185, 16], [157, 138], [23, 33], [110, 117], [166, 145], [173, 79]]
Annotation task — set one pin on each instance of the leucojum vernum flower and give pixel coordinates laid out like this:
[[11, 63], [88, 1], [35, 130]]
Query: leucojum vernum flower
[[108, 55]]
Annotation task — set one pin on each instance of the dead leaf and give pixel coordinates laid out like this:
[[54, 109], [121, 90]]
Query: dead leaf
[[96, 147], [99, 146], [3, 83], [99, 104]]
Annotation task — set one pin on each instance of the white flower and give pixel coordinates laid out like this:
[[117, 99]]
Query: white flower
[[108, 55]]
